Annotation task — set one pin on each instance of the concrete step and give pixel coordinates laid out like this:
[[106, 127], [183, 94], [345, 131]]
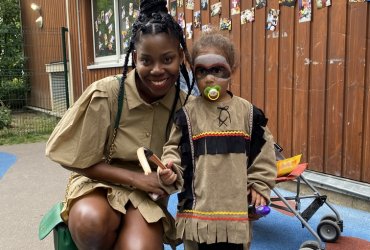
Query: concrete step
[[339, 190]]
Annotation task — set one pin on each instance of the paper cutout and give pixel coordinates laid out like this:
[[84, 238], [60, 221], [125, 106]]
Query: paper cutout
[[216, 9], [272, 19], [189, 31], [180, 3], [181, 20], [204, 4], [173, 7], [235, 7], [260, 4], [197, 19], [323, 3], [225, 23], [206, 28], [304, 7], [189, 4], [247, 16], [288, 3]]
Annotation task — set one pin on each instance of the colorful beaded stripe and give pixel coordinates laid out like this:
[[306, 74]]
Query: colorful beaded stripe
[[198, 215], [223, 133]]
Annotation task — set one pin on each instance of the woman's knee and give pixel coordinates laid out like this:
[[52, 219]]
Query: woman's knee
[[137, 233], [92, 220]]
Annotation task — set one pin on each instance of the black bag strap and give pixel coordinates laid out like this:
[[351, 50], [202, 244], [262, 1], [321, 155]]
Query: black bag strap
[[121, 95]]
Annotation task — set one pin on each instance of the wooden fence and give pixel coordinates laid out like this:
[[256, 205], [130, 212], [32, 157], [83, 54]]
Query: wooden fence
[[311, 78]]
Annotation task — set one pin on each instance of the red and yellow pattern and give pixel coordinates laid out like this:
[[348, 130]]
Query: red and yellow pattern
[[233, 133], [214, 215]]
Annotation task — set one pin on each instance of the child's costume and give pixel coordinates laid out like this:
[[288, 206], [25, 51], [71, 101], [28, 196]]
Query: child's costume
[[219, 161]]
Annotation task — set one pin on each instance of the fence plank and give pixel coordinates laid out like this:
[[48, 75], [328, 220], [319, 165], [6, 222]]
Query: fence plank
[[354, 92], [272, 76], [286, 64], [317, 90]]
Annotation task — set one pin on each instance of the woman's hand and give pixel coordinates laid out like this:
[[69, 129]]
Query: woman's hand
[[167, 175], [148, 183], [256, 198]]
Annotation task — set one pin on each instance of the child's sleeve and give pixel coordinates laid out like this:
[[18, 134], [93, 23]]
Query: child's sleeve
[[262, 163], [171, 153]]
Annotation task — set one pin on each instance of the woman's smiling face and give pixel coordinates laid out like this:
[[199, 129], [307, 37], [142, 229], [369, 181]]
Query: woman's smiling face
[[157, 58]]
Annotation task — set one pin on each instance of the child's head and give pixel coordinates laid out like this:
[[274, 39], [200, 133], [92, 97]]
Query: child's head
[[214, 61], [216, 41]]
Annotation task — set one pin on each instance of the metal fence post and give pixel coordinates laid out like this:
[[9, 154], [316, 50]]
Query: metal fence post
[[64, 47]]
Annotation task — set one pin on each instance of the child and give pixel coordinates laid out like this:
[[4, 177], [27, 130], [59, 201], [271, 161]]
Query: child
[[222, 149], [106, 200]]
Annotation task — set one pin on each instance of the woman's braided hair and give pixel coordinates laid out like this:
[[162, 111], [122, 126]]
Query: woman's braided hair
[[153, 19]]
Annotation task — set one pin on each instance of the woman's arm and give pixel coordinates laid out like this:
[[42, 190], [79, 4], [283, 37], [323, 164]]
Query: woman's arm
[[107, 173]]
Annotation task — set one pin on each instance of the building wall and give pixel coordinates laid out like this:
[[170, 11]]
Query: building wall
[[42, 46], [312, 79]]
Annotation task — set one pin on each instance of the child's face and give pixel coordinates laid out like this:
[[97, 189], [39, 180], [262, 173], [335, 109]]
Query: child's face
[[211, 68], [157, 58]]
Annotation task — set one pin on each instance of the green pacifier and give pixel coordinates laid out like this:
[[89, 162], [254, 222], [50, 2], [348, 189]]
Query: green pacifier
[[212, 92]]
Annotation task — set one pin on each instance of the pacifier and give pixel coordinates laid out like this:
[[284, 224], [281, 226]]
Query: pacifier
[[212, 92]]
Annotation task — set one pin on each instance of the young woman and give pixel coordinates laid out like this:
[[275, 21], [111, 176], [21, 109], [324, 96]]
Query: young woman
[[224, 152], [107, 204]]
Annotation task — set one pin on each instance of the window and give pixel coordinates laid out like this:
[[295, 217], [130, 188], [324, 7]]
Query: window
[[112, 22]]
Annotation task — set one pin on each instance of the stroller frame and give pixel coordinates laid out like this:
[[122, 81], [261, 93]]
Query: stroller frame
[[330, 226]]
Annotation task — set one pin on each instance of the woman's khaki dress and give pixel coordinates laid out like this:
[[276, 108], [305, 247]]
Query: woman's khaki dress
[[82, 139]]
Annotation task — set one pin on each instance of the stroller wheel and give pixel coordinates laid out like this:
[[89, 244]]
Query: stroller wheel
[[328, 230], [329, 217], [310, 245]]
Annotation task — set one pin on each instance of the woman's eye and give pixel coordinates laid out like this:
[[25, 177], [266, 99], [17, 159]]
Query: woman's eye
[[168, 60], [145, 61]]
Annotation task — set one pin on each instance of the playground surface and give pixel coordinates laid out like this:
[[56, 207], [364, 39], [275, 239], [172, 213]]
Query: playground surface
[[30, 184]]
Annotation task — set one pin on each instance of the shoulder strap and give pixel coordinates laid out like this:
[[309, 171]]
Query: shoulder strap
[[121, 95]]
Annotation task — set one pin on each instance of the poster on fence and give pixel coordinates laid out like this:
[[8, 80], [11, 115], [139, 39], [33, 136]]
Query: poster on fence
[[304, 7]]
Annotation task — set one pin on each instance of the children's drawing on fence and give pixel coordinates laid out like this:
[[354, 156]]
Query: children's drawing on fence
[[288, 3], [197, 19], [216, 9], [189, 31], [322, 3], [247, 16], [260, 4], [235, 7], [225, 23], [304, 10], [272, 19], [181, 20], [204, 4]]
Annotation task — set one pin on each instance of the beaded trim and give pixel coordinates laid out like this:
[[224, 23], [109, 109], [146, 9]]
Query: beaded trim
[[215, 212], [223, 133], [185, 215]]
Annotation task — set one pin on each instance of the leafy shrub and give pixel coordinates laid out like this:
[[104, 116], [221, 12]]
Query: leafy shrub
[[13, 93], [5, 116]]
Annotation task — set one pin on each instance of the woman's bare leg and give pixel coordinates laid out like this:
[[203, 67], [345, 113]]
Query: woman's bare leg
[[93, 222], [137, 234]]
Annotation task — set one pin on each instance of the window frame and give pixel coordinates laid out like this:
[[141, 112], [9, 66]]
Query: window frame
[[110, 61]]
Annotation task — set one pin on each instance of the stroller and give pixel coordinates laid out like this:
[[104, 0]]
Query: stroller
[[330, 227]]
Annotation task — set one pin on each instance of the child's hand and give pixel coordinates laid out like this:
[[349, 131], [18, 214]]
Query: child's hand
[[167, 176], [256, 198]]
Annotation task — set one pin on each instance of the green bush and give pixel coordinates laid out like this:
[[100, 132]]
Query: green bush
[[13, 93], [5, 116]]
